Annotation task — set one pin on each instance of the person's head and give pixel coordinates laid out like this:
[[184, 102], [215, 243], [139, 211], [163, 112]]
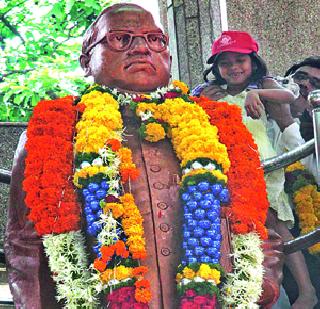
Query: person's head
[[235, 60], [125, 49], [306, 74]]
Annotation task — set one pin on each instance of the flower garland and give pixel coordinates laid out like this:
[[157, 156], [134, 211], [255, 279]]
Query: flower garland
[[52, 202], [249, 202], [303, 190], [178, 117], [112, 217], [113, 221], [248, 207], [204, 162], [47, 173]]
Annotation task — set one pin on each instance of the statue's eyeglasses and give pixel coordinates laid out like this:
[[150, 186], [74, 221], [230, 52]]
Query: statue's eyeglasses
[[300, 76], [121, 41]]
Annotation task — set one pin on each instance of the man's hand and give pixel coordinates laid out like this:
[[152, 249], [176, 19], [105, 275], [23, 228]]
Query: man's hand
[[281, 113], [273, 263], [253, 104]]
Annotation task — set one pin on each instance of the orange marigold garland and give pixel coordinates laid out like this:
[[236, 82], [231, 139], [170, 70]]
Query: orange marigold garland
[[49, 166], [51, 198], [248, 204]]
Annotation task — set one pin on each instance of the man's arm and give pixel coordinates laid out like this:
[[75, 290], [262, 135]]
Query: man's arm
[[28, 273]]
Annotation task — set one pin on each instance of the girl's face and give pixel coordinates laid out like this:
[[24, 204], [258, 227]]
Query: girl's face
[[235, 68]]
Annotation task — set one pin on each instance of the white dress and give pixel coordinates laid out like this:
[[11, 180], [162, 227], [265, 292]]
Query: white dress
[[278, 199]]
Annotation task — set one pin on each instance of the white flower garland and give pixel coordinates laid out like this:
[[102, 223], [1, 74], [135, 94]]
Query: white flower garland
[[243, 287], [69, 264]]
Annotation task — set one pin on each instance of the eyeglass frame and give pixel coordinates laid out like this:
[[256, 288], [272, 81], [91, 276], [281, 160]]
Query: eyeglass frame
[[132, 37], [314, 81]]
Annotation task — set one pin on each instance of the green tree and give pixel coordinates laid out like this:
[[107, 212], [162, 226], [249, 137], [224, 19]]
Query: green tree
[[40, 41]]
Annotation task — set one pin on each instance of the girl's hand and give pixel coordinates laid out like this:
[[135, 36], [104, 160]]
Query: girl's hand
[[214, 92], [253, 105]]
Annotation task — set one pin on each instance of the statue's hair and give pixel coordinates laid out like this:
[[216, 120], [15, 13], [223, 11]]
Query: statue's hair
[[91, 34]]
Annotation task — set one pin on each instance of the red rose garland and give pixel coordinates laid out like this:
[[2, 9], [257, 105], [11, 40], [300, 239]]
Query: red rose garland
[[249, 203]]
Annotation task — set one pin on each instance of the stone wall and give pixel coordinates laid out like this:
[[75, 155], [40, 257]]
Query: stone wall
[[9, 137], [288, 31], [192, 25]]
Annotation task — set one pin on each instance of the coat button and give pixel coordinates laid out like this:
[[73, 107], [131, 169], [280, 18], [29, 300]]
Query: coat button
[[164, 227], [155, 168], [162, 205], [165, 251], [158, 185]]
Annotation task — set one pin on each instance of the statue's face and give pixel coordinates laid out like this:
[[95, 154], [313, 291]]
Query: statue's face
[[138, 67]]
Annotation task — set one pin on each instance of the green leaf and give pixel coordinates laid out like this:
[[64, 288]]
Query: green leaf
[[34, 100], [7, 96], [19, 98]]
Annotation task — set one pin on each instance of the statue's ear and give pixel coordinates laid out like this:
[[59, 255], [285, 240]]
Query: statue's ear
[[84, 62]]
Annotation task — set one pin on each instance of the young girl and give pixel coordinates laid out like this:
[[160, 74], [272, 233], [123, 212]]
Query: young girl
[[240, 77]]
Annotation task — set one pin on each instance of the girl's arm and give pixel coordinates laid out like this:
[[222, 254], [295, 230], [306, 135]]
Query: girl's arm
[[269, 97], [273, 92]]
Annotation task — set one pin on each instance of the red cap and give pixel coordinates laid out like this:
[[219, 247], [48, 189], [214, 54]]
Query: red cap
[[233, 41]]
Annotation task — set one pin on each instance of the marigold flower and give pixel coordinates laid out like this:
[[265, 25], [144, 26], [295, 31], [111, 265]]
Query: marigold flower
[[99, 265], [204, 271], [129, 173], [145, 107], [182, 86], [294, 167], [188, 273], [116, 208], [107, 275], [142, 292], [179, 277], [115, 144], [140, 271], [107, 252], [122, 272], [155, 132]]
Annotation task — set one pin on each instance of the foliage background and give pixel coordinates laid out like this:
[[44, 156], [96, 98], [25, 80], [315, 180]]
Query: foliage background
[[40, 41]]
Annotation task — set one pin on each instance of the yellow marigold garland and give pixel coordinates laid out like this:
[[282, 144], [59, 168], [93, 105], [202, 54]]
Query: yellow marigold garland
[[216, 173], [306, 197], [204, 272]]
